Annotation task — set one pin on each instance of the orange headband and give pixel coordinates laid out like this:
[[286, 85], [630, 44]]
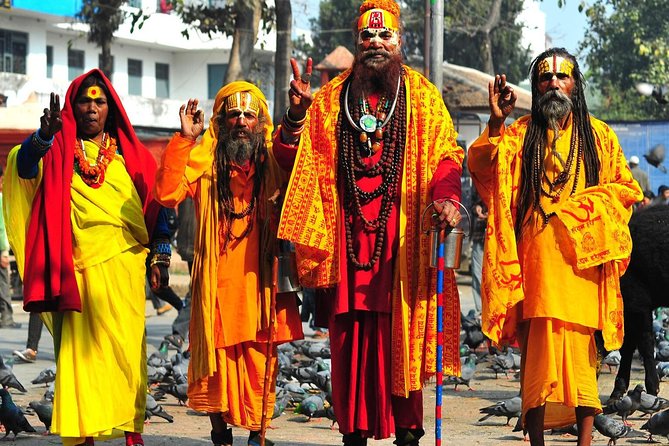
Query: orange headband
[[378, 19]]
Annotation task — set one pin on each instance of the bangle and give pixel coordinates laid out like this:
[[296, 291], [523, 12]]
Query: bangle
[[160, 259], [162, 246], [39, 143], [292, 122]]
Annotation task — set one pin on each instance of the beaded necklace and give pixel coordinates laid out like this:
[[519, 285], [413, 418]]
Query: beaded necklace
[[94, 175], [372, 124], [352, 167], [557, 186]]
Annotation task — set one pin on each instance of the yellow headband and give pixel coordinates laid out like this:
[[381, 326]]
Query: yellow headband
[[556, 64], [378, 19], [242, 101], [93, 92]]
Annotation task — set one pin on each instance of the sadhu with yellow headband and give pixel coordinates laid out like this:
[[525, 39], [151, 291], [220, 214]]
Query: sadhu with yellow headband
[[235, 183]]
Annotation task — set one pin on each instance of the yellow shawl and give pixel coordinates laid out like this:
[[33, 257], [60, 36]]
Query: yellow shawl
[[310, 220], [194, 173], [594, 218]]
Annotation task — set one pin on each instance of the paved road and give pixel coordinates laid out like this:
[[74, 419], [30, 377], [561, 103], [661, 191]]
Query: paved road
[[461, 409]]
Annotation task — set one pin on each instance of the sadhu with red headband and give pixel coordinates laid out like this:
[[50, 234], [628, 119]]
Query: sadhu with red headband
[[80, 215], [237, 315], [372, 150]]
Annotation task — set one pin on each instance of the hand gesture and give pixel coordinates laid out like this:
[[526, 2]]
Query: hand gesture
[[192, 120], [51, 122], [160, 277], [502, 99], [300, 91], [446, 214]]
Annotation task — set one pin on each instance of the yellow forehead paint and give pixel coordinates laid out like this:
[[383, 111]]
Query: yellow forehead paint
[[93, 92], [378, 19], [556, 64], [243, 102]]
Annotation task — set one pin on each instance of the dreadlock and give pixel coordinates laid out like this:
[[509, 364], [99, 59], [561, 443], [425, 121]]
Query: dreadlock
[[535, 138], [227, 208]]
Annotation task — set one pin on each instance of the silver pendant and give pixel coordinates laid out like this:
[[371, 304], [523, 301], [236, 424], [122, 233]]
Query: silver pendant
[[368, 123]]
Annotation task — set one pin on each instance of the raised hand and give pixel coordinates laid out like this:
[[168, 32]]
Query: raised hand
[[502, 100], [192, 119], [51, 121], [299, 93]]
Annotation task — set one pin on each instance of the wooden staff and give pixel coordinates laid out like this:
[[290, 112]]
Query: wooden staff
[[270, 345]]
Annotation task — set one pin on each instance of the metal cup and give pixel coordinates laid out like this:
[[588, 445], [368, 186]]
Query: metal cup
[[453, 241], [287, 279]]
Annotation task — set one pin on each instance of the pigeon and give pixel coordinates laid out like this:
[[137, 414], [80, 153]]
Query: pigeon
[[502, 363], [662, 368], [658, 425], [466, 373], [153, 408], [612, 359], [297, 393], [509, 408], [44, 411], [651, 404], [179, 391], [627, 405], [614, 429], [472, 327], [310, 405], [280, 403], [328, 413], [49, 392], [7, 377], [655, 157], [46, 376], [11, 416]]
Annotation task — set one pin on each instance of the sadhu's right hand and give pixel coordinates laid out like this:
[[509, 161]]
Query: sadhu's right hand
[[502, 100], [51, 121], [192, 119], [299, 93]]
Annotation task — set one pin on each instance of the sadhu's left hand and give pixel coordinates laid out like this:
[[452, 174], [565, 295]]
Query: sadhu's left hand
[[446, 214], [160, 277]]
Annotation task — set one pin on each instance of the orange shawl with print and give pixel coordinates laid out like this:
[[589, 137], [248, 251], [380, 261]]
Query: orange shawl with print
[[594, 221], [310, 220]]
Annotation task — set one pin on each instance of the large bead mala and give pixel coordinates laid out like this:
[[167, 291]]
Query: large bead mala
[[354, 166]]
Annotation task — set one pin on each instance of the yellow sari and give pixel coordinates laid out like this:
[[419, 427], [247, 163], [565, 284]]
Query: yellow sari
[[100, 352]]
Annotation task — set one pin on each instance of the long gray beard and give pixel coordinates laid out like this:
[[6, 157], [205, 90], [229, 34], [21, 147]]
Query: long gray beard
[[555, 105], [240, 151]]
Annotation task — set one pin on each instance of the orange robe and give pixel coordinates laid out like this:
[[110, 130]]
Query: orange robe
[[230, 312], [561, 279]]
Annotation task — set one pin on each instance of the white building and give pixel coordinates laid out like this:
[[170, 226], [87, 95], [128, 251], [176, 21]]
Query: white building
[[156, 69]]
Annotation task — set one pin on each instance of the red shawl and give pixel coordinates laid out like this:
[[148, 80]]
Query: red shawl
[[49, 281]]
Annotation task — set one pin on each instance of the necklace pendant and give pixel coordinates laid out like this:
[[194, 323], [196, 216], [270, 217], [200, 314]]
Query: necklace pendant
[[368, 123]]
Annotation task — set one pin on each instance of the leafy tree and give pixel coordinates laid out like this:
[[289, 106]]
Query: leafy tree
[[627, 43], [334, 27], [240, 19], [103, 18]]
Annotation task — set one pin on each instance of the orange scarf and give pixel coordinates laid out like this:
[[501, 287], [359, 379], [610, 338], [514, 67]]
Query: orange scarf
[[310, 219]]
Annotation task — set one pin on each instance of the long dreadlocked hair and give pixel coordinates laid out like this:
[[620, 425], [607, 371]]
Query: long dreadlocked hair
[[223, 162], [529, 194]]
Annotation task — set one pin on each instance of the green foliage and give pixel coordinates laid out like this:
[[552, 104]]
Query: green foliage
[[219, 19], [627, 42], [103, 18], [334, 27]]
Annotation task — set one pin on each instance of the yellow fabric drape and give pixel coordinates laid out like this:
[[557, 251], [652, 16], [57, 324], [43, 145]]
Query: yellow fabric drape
[[592, 223], [310, 220], [100, 352]]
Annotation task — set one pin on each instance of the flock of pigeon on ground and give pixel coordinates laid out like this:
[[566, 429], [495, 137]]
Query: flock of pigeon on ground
[[304, 386]]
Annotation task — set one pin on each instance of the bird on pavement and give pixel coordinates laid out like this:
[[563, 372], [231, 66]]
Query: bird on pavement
[[153, 408], [658, 425], [45, 376], [614, 429], [11, 416], [7, 377], [509, 408], [44, 411]]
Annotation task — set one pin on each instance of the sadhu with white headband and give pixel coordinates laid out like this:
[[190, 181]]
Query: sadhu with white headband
[[380, 23], [242, 102]]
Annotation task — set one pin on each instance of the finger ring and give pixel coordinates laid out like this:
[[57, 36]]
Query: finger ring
[[306, 77], [453, 221]]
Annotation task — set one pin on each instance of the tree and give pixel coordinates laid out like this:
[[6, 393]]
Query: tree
[[284, 21], [334, 27], [240, 19], [104, 20], [627, 43]]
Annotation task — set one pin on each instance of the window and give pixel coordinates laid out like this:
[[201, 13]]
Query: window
[[162, 80], [112, 64], [135, 77], [49, 61], [13, 51], [75, 63], [215, 76]]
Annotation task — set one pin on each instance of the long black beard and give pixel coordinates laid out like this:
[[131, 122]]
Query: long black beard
[[375, 76], [240, 151]]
